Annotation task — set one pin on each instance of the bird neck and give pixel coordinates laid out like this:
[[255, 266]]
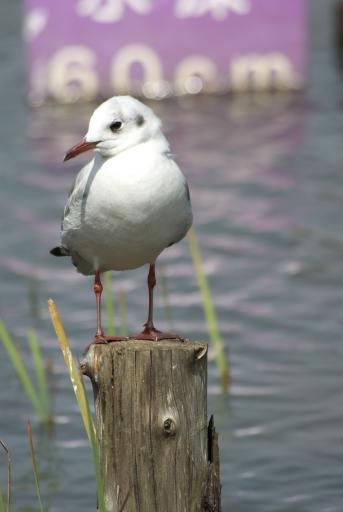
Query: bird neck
[[158, 144]]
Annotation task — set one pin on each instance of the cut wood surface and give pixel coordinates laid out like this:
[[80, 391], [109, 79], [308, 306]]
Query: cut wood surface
[[151, 420]]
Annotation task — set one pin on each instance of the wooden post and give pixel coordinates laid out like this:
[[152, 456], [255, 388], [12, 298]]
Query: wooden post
[[156, 451]]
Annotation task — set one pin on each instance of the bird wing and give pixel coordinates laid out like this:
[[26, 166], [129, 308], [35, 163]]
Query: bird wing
[[186, 199], [72, 215]]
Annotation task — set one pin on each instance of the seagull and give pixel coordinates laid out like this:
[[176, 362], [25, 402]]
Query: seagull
[[127, 205]]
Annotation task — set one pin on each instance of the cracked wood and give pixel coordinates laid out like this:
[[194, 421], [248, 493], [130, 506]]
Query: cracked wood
[[151, 420]]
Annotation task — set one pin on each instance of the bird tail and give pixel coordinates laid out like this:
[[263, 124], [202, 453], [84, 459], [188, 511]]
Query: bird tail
[[59, 251]]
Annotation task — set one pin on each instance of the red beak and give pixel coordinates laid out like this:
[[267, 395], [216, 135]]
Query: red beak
[[81, 147]]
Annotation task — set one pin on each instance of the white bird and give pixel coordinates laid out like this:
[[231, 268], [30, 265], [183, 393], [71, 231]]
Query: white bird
[[128, 204]]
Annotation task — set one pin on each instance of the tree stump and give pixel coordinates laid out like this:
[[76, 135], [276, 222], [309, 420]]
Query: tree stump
[[156, 451]]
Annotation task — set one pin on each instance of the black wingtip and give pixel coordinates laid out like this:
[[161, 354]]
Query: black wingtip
[[57, 251]]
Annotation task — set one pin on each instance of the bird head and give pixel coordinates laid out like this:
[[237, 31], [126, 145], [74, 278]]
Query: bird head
[[118, 124]]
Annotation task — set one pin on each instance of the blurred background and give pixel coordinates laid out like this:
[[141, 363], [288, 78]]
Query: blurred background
[[264, 162]]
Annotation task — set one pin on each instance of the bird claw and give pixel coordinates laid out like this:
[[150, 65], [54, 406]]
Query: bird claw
[[153, 334], [105, 340], [100, 340]]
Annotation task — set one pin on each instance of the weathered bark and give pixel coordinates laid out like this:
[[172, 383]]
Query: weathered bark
[[211, 499], [151, 420]]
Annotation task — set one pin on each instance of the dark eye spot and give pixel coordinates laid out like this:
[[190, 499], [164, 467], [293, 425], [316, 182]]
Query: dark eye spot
[[139, 120], [115, 126]]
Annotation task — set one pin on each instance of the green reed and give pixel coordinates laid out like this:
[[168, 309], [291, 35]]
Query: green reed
[[110, 309], [9, 483], [209, 311], [34, 466], [81, 397], [124, 331], [40, 371], [110, 313], [207, 303], [39, 398], [165, 296], [7, 507]]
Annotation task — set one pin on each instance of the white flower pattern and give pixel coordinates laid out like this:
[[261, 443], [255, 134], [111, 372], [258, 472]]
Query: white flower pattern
[[109, 11], [219, 9]]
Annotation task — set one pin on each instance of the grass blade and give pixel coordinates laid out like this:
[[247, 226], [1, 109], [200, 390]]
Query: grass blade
[[19, 367], [72, 368], [95, 453], [40, 370], [165, 295], [34, 466], [81, 396], [209, 311], [123, 314], [110, 313], [9, 482]]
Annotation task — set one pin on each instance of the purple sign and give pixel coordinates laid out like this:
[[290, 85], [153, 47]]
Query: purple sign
[[83, 49]]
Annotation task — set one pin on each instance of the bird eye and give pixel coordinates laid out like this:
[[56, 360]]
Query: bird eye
[[115, 126]]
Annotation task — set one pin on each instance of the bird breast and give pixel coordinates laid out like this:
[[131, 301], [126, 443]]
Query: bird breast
[[133, 206]]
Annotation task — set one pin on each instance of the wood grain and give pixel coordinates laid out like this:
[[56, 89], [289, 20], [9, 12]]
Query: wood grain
[[151, 420]]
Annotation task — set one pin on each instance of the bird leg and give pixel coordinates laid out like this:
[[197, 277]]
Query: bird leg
[[150, 332], [98, 291], [100, 335], [149, 324]]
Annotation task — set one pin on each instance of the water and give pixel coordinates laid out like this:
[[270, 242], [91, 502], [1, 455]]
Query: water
[[266, 182]]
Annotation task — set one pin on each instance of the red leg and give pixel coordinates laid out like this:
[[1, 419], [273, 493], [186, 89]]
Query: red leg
[[149, 325], [100, 335], [98, 291], [150, 332]]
